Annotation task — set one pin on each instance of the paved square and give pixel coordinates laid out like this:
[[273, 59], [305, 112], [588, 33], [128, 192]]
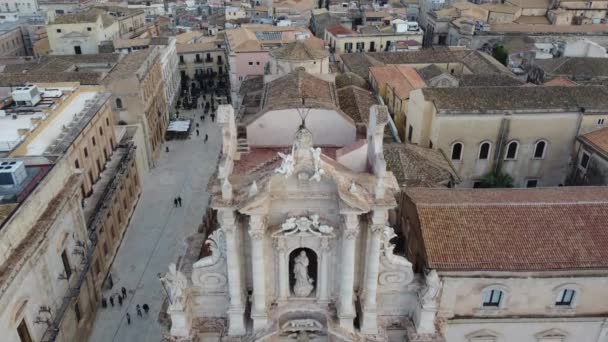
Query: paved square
[[156, 233]]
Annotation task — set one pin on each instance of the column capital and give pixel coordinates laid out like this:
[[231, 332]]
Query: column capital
[[257, 222], [226, 218], [350, 233], [379, 217], [257, 234], [325, 245]]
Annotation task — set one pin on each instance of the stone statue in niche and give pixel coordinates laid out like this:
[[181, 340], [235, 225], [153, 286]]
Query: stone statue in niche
[[304, 284]]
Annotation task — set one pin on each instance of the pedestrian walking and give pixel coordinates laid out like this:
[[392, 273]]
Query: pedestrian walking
[[138, 310], [198, 133], [202, 118], [167, 149], [175, 203], [212, 117], [112, 301], [179, 200], [146, 308], [128, 319], [206, 137], [119, 300], [197, 124], [124, 292], [104, 302]]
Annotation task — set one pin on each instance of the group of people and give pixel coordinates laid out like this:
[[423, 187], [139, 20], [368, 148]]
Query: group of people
[[120, 298], [177, 201]]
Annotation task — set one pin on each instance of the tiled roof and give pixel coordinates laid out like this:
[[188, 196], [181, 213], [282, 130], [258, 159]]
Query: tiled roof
[[559, 81], [83, 77], [339, 29], [401, 79], [575, 67], [484, 99], [429, 72], [355, 102], [597, 139], [477, 62], [492, 80], [289, 90], [416, 166], [350, 78], [309, 49], [512, 229]]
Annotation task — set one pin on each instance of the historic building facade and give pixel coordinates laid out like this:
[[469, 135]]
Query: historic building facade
[[302, 247]]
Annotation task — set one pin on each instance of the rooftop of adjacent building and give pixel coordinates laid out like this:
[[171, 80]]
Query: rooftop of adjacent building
[[535, 99], [536, 229], [417, 166], [49, 127], [259, 37], [302, 49], [598, 140], [108, 14]]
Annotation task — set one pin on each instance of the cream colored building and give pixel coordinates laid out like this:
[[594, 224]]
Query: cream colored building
[[514, 270], [82, 33], [64, 221], [138, 96], [369, 38], [527, 132], [205, 57]]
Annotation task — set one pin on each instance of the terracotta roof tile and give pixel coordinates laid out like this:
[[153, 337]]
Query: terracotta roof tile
[[513, 229], [356, 102], [339, 29], [597, 139]]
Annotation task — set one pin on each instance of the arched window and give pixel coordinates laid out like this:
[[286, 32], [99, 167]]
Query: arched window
[[493, 297], [118, 103], [539, 149], [484, 150], [456, 151], [512, 148]]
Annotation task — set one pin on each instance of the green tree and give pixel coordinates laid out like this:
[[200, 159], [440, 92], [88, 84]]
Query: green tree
[[497, 180], [501, 54]]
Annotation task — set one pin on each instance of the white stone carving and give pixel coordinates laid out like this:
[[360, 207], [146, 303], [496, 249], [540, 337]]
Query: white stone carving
[[316, 157], [395, 270], [430, 291], [226, 190], [297, 325], [287, 165], [304, 284], [353, 188], [177, 284], [253, 190], [305, 226], [217, 245]]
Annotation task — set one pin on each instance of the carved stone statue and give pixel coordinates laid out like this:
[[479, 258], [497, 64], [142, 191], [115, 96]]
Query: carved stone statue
[[304, 284], [387, 235], [217, 245], [430, 291], [316, 156], [176, 283], [287, 165]]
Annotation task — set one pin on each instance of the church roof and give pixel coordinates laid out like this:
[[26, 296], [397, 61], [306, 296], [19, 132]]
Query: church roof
[[289, 90], [416, 166], [536, 229]]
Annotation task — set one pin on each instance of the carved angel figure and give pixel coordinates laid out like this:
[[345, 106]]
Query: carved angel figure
[[176, 283], [287, 165], [387, 235], [316, 155]]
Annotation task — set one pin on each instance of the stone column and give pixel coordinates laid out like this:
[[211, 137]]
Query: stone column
[[323, 274], [346, 310], [259, 313], [283, 275], [236, 310], [369, 324]]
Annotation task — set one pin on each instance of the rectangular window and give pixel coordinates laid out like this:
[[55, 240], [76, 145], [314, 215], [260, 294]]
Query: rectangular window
[[94, 142], [107, 122], [531, 183], [89, 29], [86, 152], [348, 47], [66, 264], [101, 131], [360, 46], [492, 298], [410, 132], [77, 164], [23, 332], [58, 30], [105, 249], [584, 160], [77, 311]]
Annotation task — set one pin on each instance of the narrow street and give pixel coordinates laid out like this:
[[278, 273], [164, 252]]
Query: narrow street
[[156, 233]]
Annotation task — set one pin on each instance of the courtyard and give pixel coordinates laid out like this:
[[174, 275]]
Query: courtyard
[[157, 231]]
